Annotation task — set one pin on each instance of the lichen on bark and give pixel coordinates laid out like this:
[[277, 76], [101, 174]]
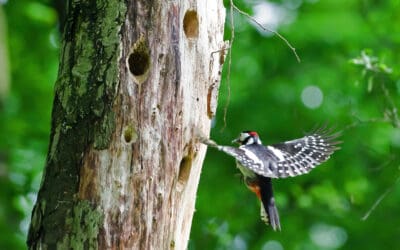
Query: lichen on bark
[[84, 224]]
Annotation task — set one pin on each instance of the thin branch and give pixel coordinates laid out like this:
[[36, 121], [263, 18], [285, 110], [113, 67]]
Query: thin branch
[[370, 120], [228, 77], [394, 112], [390, 117], [267, 29], [379, 200], [392, 158]]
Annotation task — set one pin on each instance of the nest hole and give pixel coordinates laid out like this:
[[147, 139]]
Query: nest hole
[[139, 62], [184, 170], [191, 24], [129, 134]]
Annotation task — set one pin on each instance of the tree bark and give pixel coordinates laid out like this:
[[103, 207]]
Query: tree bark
[[137, 81]]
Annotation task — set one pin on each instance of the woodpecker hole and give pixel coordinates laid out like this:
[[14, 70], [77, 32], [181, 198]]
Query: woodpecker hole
[[129, 134], [138, 61], [191, 24], [210, 113], [222, 56], [184, 171]]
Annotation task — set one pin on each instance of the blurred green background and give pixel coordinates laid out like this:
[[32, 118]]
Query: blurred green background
[[348, 77]]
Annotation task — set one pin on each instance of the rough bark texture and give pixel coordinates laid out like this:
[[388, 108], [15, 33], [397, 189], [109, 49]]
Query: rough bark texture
[[137, 81]]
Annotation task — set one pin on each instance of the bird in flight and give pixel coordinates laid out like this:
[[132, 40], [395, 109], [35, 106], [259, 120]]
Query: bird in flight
[[259, 164]]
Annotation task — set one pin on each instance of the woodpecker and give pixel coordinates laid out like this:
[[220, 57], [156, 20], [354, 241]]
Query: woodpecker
[[260, 164]]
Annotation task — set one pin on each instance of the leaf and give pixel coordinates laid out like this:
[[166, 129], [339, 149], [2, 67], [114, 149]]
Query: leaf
[[370, 83], [398, 86]]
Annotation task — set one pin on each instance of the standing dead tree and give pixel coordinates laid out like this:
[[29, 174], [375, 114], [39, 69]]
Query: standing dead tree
[[137, 80]]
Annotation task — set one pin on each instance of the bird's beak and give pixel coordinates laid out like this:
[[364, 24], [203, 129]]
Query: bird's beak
[[236, 141]]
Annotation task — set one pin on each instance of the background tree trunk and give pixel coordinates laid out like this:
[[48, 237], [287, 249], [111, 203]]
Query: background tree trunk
[[137, 81]]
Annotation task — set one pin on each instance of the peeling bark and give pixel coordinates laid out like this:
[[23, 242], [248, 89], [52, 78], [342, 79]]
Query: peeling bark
[[137, 81]]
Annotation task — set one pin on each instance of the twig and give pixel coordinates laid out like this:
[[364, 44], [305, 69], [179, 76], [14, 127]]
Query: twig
[[390, 160], [267, 29], [379, 200], [394, 112], [370, 120], [228, 77]]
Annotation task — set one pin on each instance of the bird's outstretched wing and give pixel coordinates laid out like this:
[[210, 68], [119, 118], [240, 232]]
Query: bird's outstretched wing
[[300, 156], [287, 159]]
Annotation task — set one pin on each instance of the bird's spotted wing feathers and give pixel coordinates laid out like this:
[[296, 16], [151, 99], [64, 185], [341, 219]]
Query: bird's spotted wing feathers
[[286, 159], [300, 156]]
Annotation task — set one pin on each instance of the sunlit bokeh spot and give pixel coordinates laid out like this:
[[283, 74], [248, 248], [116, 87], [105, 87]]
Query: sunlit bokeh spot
[[328, 236], [312, 97], [272, 245], [272, 15], [239, 243], [396, 138], [54, 39], [311, 1], [293, 4]]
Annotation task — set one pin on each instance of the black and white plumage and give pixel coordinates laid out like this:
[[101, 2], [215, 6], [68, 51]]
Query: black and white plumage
[[259, 163]]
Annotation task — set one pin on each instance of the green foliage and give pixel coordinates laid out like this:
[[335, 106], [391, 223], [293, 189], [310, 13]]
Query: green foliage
[[25, 113], [349, 54], [322, 210]]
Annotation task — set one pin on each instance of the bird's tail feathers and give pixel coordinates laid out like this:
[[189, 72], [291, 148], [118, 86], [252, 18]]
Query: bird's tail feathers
[[269, 211], [269, 214]]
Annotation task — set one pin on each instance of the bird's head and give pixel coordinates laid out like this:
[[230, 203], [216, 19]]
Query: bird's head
[[247, 138]]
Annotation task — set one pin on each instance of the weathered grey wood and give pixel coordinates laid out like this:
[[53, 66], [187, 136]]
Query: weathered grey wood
[[136, 83]]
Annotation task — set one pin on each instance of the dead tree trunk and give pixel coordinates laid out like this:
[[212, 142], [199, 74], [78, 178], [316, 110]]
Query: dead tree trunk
[[137, 80]]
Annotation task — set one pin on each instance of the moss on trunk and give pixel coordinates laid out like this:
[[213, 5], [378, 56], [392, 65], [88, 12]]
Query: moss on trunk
[[82, 114]]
